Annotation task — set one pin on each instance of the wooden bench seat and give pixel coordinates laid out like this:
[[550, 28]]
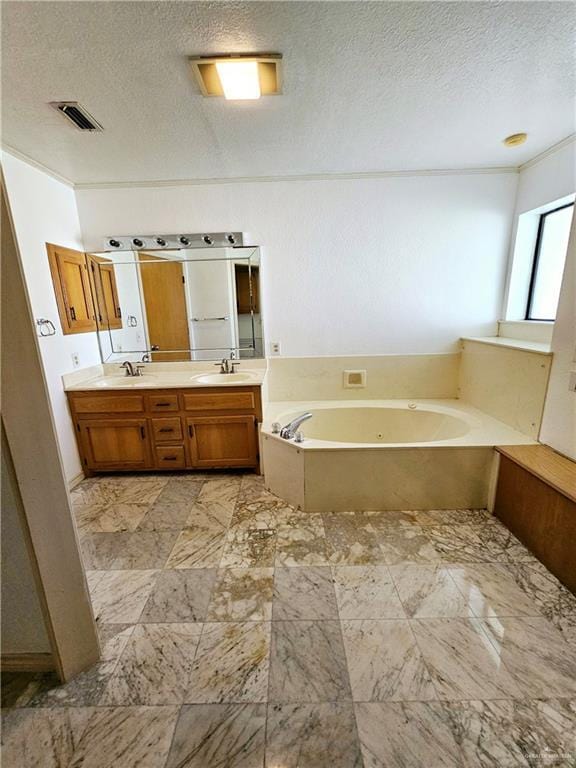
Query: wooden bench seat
[[536, 500]]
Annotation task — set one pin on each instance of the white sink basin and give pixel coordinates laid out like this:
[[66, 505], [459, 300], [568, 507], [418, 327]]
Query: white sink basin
[[125, 382], [225, 378]]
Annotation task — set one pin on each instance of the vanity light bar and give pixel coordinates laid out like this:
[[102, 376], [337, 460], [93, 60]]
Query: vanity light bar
[[173, 242]]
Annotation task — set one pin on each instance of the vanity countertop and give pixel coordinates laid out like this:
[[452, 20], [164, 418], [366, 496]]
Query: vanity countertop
[[167, 376]]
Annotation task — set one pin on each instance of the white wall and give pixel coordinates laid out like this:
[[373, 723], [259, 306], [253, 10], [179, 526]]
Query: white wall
[[23, 626], [351, 266], [559, 424], [44, 210], [551, 179]]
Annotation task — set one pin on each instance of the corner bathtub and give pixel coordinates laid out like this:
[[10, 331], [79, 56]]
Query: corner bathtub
[[388, 454]]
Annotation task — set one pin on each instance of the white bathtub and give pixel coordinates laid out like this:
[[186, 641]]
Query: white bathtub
[[378, 425], [389, 454]]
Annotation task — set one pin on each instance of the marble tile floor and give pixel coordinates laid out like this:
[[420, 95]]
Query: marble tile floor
[[238, 632]]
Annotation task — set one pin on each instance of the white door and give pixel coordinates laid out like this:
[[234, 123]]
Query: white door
[[211, 299]]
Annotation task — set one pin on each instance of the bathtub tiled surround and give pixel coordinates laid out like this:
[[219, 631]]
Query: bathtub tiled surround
[[508, 384], [387, 376], [352, 640], [430, 472]]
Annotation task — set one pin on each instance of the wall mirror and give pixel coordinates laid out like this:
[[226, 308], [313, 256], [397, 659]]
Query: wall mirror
[[178, 305]]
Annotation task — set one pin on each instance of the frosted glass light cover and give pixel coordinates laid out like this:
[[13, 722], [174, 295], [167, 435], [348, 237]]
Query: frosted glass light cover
[[239, 79]]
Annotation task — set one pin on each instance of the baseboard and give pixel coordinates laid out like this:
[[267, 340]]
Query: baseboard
[[75, 481], [27, 662]]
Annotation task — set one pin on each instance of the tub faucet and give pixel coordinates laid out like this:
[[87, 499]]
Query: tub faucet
[[289, 431]]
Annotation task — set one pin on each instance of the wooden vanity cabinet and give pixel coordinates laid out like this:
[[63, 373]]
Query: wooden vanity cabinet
[[212, 427]]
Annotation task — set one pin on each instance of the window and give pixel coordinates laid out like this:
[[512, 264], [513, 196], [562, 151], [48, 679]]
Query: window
[[548, 265]]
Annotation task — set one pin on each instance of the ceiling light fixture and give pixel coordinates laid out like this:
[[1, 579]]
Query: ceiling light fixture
[[515, 139], [239, 79], [238, 76]]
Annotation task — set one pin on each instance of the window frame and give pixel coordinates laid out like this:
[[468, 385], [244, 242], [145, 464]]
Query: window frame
[[536, 263]]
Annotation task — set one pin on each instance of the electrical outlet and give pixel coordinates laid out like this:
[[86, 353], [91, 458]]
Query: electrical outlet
[[274, 347], [75, 360]]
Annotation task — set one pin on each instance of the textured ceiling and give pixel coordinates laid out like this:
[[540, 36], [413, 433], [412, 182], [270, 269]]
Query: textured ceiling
[[369, 86]]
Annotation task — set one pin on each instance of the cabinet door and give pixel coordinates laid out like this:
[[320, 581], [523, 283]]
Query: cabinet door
[[116, 444], [105, 292], [72, 288], [223, 441]]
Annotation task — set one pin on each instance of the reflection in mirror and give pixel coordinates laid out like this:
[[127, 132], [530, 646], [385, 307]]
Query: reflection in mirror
[[168, 306]]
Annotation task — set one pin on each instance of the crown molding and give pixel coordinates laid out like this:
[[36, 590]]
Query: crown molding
[[39, 166], [547, 152], [298, 178], [367, 175]]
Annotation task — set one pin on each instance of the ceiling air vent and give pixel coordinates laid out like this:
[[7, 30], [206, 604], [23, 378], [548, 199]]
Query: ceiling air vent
[[76, 113]]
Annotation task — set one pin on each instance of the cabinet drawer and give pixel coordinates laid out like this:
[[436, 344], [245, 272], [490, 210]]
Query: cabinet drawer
[[167, 430], [219, 401], [162, 403], [170, 456], [119, 403]]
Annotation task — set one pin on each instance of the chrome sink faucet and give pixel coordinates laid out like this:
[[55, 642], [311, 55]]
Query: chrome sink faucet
[[132, 370], [228, 365]]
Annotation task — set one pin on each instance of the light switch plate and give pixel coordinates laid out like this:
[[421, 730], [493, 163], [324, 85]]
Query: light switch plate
[[572, 382]]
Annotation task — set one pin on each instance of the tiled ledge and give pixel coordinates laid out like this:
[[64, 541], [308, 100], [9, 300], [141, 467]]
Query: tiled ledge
[[541, 348]]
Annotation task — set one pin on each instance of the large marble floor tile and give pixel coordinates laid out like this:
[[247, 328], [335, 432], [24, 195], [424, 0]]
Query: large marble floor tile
[[470, 734], [197, 548], [249, 548], [223, 490], [304, 593], [113, 518], [219, 736], [18, 688], [385, 662], [180, 490], [536, 653], [351, 540], [304, 544], [126, 737], [307, 662], [42, 738], [100, 550], [254, 515], [231, 663], [366, 592], [145, 549], [253, 489], [405, 544], [457, 543], [83, 690], [160, 516], [410, 734], [113, 639], [180, 596], [155, 667], [141, 490], [320, 735], [490, 589], [428, 591], [212, 515], [462, 661], [119, 596], [501, 546], [553, 600], [242, 594], [452, 516]]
